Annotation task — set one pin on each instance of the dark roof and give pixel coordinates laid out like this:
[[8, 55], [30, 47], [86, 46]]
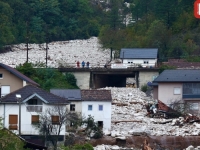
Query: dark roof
[[18, 74], [154, 84], [139, 53], [70, 94], [30, 91], [179, 76], [96, 95]]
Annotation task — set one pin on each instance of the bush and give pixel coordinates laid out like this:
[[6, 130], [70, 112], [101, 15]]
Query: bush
[[92, 129], [86, 146], [144, 88], [71, 79]]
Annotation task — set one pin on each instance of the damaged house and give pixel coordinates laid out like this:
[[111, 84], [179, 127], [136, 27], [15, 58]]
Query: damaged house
[[179, 85]]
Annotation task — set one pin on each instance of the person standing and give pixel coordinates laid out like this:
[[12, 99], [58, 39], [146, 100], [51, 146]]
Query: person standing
[[78, 64], [83, 64], [88, 64]]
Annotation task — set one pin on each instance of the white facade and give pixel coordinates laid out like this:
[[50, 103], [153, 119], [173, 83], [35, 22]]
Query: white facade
[[27, 127], [102, 115], [142, 62], [78, 106]]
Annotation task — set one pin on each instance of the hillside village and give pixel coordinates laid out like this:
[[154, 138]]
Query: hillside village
[[135, 75], [128, 112]]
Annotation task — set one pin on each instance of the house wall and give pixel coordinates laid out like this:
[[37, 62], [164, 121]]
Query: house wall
[[135, 62], [26, 126], [146, 76], [104, 115], [155, 92], [166, 92], [10, 79], [78, 106], [83, 79]]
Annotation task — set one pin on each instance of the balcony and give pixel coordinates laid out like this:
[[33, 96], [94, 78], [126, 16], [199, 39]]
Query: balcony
[[34, 108]]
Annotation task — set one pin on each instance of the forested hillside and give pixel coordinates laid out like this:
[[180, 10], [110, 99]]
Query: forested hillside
[[47, 20], [168, 25]]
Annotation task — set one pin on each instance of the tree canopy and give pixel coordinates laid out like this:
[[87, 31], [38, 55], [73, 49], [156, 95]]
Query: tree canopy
[[41, 21], [48, 78], [169, 25]]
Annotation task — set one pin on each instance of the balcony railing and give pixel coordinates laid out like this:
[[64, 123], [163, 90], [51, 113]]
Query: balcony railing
[[34, 108]]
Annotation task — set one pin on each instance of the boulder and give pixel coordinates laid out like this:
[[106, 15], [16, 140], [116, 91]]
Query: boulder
[[115, 147], [190, 147]]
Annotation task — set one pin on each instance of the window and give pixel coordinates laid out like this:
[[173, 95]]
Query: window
[[194, 106], [34, 102], [5, 90], [1, 76], [177, 91], [100, 124], [72, 107], [35, 119], [13, 121], [55, 119], [191, 88], [100, 107], [89, 107]]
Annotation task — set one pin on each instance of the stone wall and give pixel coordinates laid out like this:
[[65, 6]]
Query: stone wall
[[83, 79], [146, 76]]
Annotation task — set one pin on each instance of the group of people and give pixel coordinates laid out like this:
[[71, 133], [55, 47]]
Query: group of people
[[83, 64]]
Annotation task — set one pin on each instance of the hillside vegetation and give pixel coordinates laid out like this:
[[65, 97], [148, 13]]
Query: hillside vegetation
[[168, 25]]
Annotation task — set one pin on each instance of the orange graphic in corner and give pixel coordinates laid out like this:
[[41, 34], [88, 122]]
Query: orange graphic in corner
[[197, 9]]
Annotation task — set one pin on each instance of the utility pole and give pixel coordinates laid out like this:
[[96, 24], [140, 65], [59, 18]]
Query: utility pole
[[20, 117], [18, 96], [123, 57], [47, 40], [111, 51], [27, 41], [46, 53]]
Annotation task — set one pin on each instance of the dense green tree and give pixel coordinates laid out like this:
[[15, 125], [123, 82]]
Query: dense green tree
[[48, 78], [39, 21], [6, 35], [158, 36]]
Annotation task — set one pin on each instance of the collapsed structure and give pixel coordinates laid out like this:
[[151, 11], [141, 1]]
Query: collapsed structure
[[129, 117]]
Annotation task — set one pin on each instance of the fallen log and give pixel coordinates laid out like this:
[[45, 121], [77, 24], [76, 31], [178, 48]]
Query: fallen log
[[136, 103], [119, 104]]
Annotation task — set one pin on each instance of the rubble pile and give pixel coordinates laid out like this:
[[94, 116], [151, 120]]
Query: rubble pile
[[65, 53], [112, 147], [129, 117]]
